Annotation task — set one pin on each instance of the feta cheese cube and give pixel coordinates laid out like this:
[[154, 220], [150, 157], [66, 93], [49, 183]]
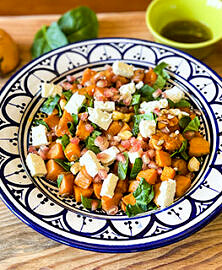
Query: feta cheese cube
[[127, 89], [75, 103], [100, 118], [122, 69], [167, 193], [147, 128], [36, 165], [50, 89], [39, 136], [174, 94], [139, 85], [134, 155], [90, 161], [109, 155], [149, 106], [107, 106], [109, 185]]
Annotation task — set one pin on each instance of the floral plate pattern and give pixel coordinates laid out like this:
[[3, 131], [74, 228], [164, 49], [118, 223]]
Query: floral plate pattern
[[35, 201]]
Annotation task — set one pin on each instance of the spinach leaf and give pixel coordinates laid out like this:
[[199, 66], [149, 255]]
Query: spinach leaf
[[90, 142], [37, 122], [87, 202], [67, 94], [193, 125], [72, 125], [182, 151], [183, 103], [59, 109], [147, 92], [50, 104], [144, 195], [159, 83], [136, 108], [64, 164], [64, 141], [135, 99], [138, 118], [75, 118], [171, 103], [47, 39], [59, 180], [137, 167], [123, 167], [184, 121], [79, 24], [163, 76]]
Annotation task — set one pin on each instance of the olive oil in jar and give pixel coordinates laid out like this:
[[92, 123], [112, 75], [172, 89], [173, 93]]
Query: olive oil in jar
[[186, 31]]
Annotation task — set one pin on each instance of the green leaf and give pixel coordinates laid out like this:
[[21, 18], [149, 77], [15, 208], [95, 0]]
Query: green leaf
[[159, 70], [55, 36], [75, 118], [182, 151], [147, 92], [79, 24], [64, 141], [72, 125], [171, 103], [50, 104], [193, 125], [159, 83], [64, 164], [137, 118], [67, 94], [87, 202], [135, 99], [37, 122], [133, 210], [59, 109], [183, 103], [40, 44], [123, 167], [184, 121], [137, 167], [136, 108], [59, 180], [90, 142]]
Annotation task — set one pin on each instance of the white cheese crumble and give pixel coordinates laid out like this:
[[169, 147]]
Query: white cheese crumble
[[50, 89], [39, 136], [167, 193], [92, 164], [75, 103], [108, 106], [139, 85], [134, 155], [36, 165], [100, 118], [122, 69], [147, 128], [109, 185], [149, 106], [109, 155], [127, 89], [174, 94]]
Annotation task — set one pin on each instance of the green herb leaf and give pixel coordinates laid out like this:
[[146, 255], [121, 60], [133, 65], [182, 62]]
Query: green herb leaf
[[135, 99], [183, 103], [184, 121], [50, 104], [64, 141], [159, 70], [147, 92], [79, 24], [75, 118], [182, 151], [67, 94], [59, 180], [193, 125], [90, 142], [159, 83], [64, 164], [137, 118], [40, 44], [87, 202], [136, 108], [55, 36], [171, 103], [123, 167], [59, 109], [37, 122], [137, 167]]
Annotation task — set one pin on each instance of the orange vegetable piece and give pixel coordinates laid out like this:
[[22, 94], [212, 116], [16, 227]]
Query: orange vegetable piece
[[55, 152], [163, 158], [99, 94], [156, 189], [182, 184], [150, 175], [168, 173], [62, 128], [125, 127], [52, 121], [72, 151], [81, 130], [122, 186], [181, 166], [97, 189], [83, 179], [114, 128], [199, 147], [87, 75], [108, 203], [78, 191], [129, 199], [150, 77], [66, 186], [133, 185], [53, 170]]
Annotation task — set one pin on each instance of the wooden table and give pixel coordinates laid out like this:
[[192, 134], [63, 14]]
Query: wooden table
[[21, 248]]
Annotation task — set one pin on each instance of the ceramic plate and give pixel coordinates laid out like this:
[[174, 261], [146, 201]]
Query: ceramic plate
[[35, 201]]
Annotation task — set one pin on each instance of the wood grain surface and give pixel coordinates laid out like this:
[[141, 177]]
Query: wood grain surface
[[21, 248]]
